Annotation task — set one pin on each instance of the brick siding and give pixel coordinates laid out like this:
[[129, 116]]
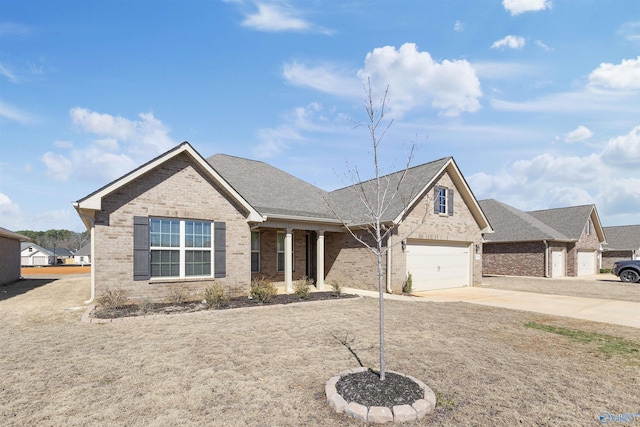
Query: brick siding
[[175, 189]]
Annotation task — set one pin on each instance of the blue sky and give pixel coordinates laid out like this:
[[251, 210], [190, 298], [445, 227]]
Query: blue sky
[[538, 101]]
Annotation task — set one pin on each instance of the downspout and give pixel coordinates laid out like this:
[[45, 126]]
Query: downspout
[[389, 273], [93, 252], [546, 258]]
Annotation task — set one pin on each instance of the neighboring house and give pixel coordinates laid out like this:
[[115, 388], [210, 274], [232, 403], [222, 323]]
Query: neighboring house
[[83, 255], [35, 255], [545, 243], [623, 242], [182, 220], [10, 255], [62, 256]]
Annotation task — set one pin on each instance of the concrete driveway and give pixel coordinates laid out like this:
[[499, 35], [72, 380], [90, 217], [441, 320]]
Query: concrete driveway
[[623, 313]]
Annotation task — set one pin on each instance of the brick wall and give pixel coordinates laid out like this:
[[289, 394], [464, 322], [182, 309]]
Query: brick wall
[[351, 264], [514, 259], [269, 255], [9, 260], [176, 189], [609, 257]]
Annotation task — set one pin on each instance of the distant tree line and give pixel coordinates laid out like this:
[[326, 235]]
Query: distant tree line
[[58, 238]]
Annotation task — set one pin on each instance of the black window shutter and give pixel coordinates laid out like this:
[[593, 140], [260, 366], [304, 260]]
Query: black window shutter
[[436, 200], [141, 265], [450, 201], [220, 249]]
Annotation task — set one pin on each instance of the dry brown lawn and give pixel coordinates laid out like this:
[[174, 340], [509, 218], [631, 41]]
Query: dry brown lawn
[[268, 366], [605, 286]]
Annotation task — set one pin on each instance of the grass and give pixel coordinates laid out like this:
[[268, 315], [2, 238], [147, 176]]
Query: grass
[[268, 366], [607, 344]]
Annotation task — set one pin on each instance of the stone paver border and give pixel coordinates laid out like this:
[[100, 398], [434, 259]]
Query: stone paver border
[[379, 414]]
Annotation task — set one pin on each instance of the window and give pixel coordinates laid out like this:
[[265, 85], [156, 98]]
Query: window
[[280, 250], [180, 248], [255, 251], [587, 228], [443, 201]]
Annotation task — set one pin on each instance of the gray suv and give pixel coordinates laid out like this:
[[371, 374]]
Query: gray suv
[[627, 271]]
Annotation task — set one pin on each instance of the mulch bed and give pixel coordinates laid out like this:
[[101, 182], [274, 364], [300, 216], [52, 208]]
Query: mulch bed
[[145, 309], [366, 389]]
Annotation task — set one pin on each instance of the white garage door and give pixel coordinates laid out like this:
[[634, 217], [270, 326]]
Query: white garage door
[[437, 265], [586, 263]]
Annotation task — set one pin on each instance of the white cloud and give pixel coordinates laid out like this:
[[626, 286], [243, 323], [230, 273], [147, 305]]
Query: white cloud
[[630, 31], [58, 167], [625, 75], [542, 45], [516, 7], [13, 29], [278, 17], [8, 74], [624, 150], [325, 78], [512, 42], [458, 27], [578, 134], [9, 212], [415, 78], [117, 145], [548, 180], [14, 114]]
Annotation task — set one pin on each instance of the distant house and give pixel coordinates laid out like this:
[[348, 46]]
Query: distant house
[[183, 220], [623, 242], [34, 255], [545, 243], [83, 255], [10, 255]]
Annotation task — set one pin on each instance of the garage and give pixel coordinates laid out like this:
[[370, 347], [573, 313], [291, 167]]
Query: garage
[[435, 265], [586, 263]]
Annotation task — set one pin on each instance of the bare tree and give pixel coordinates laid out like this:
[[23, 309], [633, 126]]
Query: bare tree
[[375, 197]]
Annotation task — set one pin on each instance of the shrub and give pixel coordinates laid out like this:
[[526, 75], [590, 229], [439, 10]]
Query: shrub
[[407, 287], [605, 270], [337, 289], [263, 290], [303, 287], [145, 306], [113, 298], [214, 296], [177, 295]]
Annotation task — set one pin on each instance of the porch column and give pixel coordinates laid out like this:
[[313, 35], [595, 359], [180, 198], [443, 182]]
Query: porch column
[[288, 264], [320, 261]]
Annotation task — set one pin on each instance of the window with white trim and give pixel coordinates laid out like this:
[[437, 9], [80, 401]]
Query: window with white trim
[[255, 251], [180, 248], [587, 228], [280, 250]]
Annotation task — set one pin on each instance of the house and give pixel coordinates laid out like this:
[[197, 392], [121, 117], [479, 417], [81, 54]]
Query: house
[[544, 243], [83, 255], [183, 220], [35, 255], [10, 255], [623, 242]]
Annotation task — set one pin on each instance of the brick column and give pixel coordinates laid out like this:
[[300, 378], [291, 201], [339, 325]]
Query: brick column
[[320, 261], [288, 258]]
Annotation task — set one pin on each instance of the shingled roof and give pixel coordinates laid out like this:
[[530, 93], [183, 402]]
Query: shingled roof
[[559, 224], [622, 237]]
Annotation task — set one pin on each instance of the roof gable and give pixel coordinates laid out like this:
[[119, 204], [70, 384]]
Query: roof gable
[[559, 224], [408, 187], [93, 202]]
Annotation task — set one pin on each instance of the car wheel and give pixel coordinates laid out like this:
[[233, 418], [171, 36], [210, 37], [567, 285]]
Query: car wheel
[[629, 276]]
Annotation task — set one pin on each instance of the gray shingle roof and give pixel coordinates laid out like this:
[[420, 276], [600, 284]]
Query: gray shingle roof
[[272, 191], [269, 190], [623, 237], [513, 225], [569, 221], [348, 200]]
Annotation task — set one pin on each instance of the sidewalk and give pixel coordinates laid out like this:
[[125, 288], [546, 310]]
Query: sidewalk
[[597, 310]]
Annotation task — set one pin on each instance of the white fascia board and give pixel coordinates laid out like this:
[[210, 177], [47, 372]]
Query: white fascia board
[[94, 202]]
